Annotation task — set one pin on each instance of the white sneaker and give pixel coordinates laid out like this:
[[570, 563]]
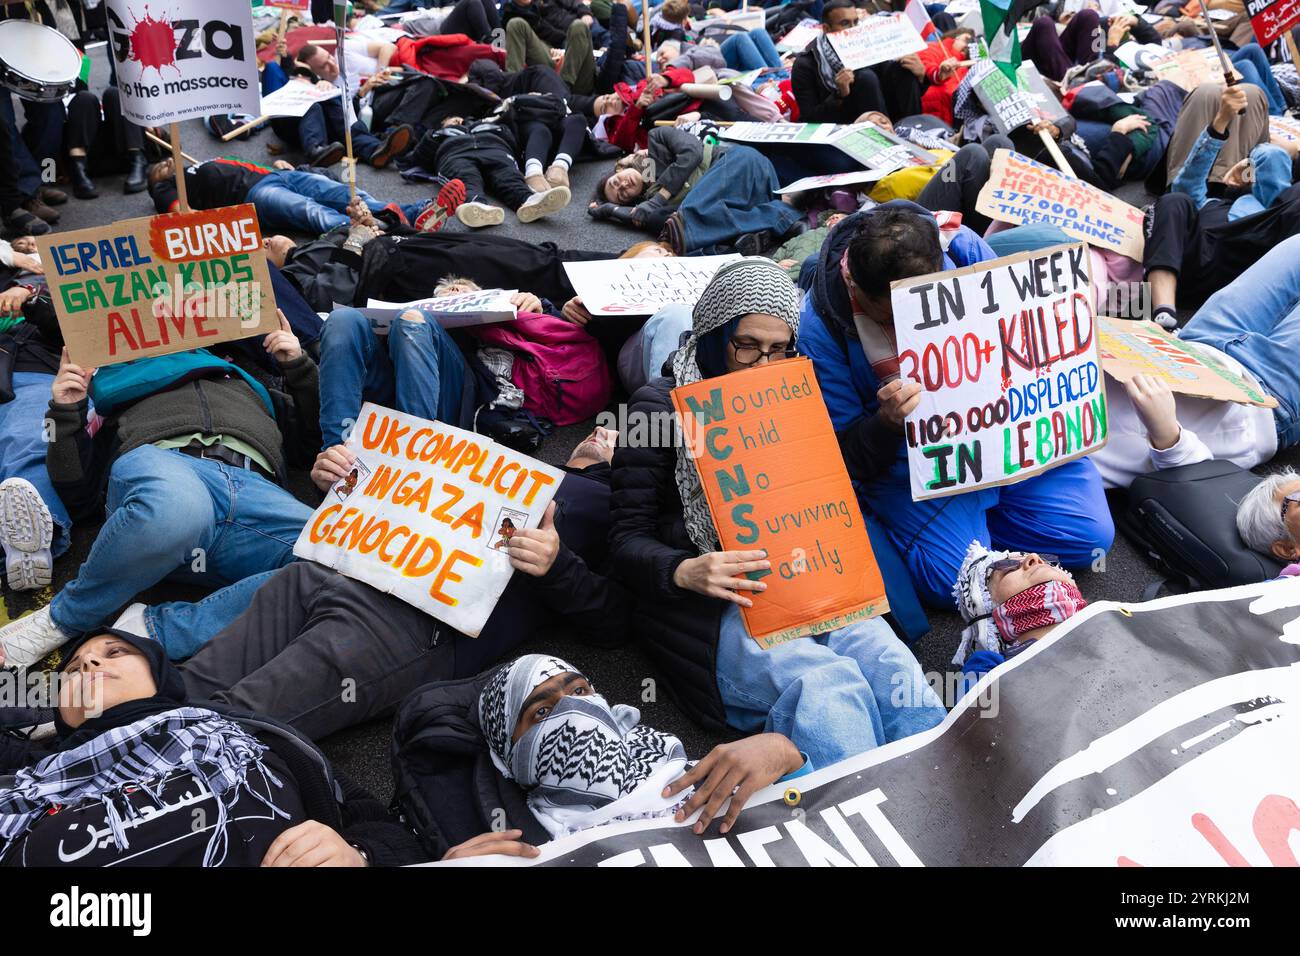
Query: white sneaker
[[132, 620], [543, 204], [479, 214], [30, 638], [26, 530]]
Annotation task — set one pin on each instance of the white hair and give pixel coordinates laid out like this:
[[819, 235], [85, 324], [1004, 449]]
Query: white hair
[[1259, 517]]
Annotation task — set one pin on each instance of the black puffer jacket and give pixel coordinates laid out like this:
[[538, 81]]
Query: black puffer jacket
[[648, 540]]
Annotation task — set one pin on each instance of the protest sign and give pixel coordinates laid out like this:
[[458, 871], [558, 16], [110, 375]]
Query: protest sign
[[1005, 104], [641, 286], [1125, 737], [810, 133], [876, 148], [1022, 191], [483, 307], [295, 98], [804, 33], [157, 285], [1190, 68], [1284, 128], [875, 40], [300, 5], [1042, 101], [1140, 56], [830, 180], [774, 478], [1143, 348], [426, 515], [193, 60], [1271, 19], [1006, 355]]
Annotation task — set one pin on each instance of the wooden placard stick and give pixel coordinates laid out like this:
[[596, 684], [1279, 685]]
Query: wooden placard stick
[[178, 167]]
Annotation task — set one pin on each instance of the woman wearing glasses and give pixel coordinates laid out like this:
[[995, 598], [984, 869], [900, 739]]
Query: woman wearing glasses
[[834, 694]]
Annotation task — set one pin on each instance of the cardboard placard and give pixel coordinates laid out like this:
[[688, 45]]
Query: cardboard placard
[[641, 286], [876, 148], [804, 32], [875, 40], [425, 515], [484, 307], [1284, 128], [830, 180], [1271, 19], [295, 98], [1041, 98], [1143, 348], [1140, 56], [193, 58], [1002, 101], [771, 469], [1190, 68], [1006, 355], [1022, 191], [162, 284]]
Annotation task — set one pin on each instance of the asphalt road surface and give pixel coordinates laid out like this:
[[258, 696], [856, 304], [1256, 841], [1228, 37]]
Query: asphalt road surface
[[624, 675]]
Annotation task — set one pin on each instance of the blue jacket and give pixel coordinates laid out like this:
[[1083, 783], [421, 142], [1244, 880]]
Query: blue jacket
[[1272, 174], [828, 337]]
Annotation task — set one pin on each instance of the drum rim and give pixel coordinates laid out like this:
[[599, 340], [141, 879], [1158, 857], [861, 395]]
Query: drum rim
[[12, 26]]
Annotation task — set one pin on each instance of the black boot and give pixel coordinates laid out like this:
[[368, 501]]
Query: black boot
[[137, 180], [83, 187]]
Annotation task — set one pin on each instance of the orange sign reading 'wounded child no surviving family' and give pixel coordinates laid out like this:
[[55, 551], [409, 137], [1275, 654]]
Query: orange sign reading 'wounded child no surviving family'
[[158, 285], [775, 480]]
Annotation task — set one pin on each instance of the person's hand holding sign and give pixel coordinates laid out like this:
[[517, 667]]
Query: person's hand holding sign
[[718, 574], [71, 383], [899, 399], [737, 770], [575, 312], [282, 344], [844, 82], [332, 465], [526, 302], [534, 550]]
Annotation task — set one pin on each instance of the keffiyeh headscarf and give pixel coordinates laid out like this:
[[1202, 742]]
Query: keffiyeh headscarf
[[585, 762], [999, 627], [738, 288], [828, 61]]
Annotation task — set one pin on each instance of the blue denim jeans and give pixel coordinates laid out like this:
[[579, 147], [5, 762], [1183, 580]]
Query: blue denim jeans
[[162, 506], [1256, 320], [735, 197], [835, 695], [183, 627], [750, 51], [22, 447], [1252, 64], [289, 199], [323, 123], [415, 368]]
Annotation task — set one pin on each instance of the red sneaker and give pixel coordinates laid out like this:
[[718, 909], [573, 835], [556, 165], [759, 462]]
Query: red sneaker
[[442, 207]]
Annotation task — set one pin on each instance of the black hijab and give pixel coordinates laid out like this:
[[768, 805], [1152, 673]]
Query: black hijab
[[167, 678]]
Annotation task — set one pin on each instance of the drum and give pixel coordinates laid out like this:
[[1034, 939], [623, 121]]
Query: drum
[[37, 62]]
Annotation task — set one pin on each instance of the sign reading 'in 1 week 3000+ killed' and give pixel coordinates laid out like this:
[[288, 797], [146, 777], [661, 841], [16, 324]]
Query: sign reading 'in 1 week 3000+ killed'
[[1006, 355], [164, 284]]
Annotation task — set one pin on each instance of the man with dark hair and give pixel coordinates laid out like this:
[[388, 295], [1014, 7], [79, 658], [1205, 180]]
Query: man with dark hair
[[847, 329], [322, 129], [829, 92]]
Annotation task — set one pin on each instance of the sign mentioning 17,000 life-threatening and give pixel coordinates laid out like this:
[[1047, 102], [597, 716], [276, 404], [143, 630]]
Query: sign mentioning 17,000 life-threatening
[[1006, 355]]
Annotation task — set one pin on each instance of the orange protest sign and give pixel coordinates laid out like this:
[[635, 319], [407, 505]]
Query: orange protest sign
[[161, 284], [772, 472]]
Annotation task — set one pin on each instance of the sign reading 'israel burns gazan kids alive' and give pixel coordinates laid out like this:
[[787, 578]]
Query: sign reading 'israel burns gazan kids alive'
[[1007, 358]]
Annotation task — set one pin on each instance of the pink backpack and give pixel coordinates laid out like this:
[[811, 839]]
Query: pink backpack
[[558, 365]]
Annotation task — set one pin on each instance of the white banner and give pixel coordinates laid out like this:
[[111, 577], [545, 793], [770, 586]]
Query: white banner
[[875, 40], [191, 59], [426, 514]]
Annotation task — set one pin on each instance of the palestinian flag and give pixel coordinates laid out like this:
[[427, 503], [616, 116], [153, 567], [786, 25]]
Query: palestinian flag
[[1000, 32], [915, 11]]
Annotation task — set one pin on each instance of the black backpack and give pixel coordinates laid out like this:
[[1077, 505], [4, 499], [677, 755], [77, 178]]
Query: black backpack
[[1184, 520], [445, 784]]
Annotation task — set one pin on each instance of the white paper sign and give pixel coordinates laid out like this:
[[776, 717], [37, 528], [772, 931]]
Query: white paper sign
[[830, 180], [184, 59], [295, 98], [876, 40], [804, 33], [482, 307], [426, 513], [641, 286], [1006, 355]]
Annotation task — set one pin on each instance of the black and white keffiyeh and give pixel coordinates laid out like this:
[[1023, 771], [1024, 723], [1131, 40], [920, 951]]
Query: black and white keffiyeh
[[975, 602], [216, 751], [738, 288], [585, 762]]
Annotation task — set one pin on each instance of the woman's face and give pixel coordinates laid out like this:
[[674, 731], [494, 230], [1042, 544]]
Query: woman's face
[[1032, 570], [653, 251], [104, 672], [625, 186], [757, 332]]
